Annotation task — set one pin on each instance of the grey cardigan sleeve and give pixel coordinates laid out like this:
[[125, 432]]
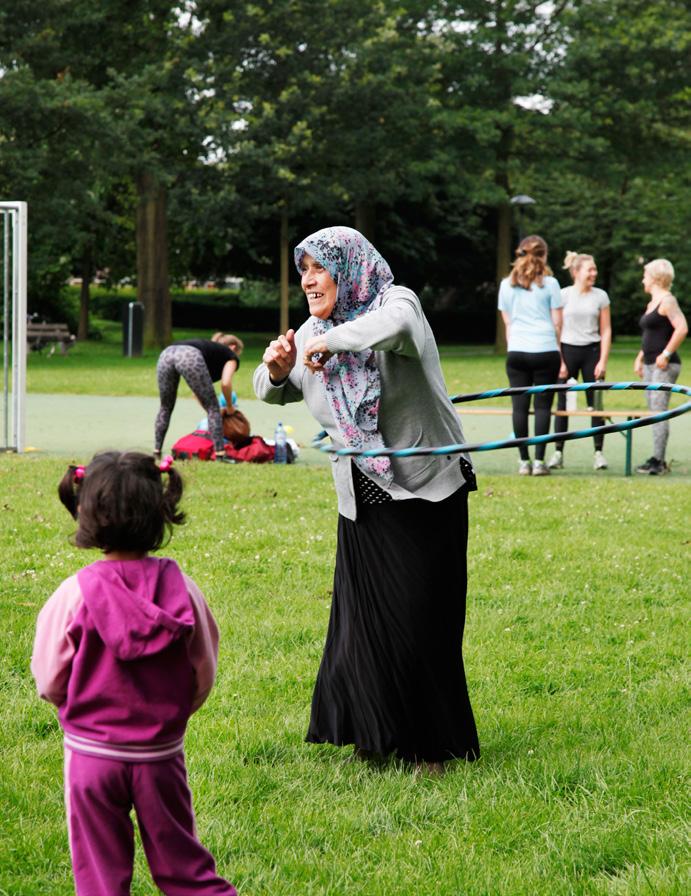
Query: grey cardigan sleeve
[[396, 326], [285, 392]]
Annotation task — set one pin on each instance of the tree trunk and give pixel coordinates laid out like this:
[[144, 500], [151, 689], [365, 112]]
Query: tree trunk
[[504, 215], [284, 256], [84, 294], [503, 267], [365, 219], [153, 290], [504, 87]]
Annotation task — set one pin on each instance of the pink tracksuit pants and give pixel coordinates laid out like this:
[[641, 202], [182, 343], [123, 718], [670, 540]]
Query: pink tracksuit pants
[[99, 794]]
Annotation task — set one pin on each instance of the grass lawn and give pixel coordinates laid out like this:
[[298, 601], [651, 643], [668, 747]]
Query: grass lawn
[[575, 650]]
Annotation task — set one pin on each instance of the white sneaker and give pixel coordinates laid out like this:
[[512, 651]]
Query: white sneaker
[[556, 461], [525, 468], [540, 468], [599, 461]]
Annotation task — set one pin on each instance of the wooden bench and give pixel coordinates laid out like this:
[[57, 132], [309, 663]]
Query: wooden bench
[[38, 335], [606, 415]]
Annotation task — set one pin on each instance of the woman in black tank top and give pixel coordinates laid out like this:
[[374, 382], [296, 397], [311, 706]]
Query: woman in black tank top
[[664, 328]]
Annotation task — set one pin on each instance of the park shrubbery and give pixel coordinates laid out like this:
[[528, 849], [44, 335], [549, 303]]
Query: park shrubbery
[[238, 134]]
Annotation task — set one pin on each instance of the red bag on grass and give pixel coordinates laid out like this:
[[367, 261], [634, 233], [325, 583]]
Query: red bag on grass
[[196, 444], [256, 451], [199, 444]]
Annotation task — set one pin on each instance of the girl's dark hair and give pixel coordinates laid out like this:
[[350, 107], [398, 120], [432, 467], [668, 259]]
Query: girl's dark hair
[[531, 262], [120, 502]]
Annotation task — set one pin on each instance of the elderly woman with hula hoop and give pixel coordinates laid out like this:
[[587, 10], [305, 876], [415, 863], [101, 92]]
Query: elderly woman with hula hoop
[[530, 303], [391, 679], [664, 328]]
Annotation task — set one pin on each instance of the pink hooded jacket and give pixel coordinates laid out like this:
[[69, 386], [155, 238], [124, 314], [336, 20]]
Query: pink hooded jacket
[[127, 651]]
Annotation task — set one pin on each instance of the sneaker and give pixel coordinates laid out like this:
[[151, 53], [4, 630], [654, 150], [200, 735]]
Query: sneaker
[[540, 468], [525, 468], [599, 461], [224, 459], [653, 467], [660, 469], [556, 461]]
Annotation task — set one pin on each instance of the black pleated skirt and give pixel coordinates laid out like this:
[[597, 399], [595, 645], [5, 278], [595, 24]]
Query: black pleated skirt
[[391, 678]]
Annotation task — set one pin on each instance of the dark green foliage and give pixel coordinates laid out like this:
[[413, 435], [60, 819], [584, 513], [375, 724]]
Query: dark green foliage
[[400, 118]]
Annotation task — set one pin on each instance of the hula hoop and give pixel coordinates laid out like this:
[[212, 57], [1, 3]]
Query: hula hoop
[[530, 440]]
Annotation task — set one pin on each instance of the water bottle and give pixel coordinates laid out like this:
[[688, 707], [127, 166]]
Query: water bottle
[[571, 397], [280, 445]]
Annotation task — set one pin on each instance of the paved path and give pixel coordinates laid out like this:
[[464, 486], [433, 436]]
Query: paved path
[[79, 425]]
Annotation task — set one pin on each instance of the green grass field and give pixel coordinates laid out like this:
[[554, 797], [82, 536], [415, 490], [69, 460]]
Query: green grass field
[[575, 654]]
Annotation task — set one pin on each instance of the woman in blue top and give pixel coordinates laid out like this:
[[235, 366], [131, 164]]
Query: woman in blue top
[[531, 306]]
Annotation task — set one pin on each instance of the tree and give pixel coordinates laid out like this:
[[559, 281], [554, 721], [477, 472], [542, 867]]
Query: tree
[[619, 141], [111, 82], [324, 116], [53, 150], [496, 54]]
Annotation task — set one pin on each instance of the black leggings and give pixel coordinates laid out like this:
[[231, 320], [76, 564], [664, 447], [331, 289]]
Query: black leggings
[[532, 369], [579, 359], [187, 362]]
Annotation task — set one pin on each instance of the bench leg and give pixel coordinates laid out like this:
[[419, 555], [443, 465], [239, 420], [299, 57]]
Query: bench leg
[[629, 441]]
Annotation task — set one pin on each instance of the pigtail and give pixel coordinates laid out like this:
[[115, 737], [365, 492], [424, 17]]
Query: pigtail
[[68, 489], [172, 495], [123, 501]]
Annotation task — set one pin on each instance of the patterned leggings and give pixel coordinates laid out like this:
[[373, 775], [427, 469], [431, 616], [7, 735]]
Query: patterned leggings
[[187, 362], [659, 401]]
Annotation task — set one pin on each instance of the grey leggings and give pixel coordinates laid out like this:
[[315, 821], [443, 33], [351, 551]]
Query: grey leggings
[[187, 362], [659, 401]]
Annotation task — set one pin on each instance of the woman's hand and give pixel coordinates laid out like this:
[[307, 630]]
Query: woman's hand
[[563, 371], [638, 365], [316, 353], [662, 362], [600, 370], [280, 356]]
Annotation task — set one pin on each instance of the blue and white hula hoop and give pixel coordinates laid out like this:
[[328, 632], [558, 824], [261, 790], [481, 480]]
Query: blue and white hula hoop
[[530, 440]]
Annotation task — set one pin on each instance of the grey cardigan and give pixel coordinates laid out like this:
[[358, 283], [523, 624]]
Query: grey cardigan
[[414, 409]]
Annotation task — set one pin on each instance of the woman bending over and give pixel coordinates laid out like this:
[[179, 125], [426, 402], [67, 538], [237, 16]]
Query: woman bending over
[[201, 363]]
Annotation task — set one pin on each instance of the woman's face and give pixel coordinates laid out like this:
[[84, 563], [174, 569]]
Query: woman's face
[[647, 281], [319, 287], [586, 275]]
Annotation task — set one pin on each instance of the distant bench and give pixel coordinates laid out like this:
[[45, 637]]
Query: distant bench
[[38, 335], [593, 412]]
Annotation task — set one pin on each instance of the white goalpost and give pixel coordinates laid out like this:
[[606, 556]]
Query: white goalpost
[[13, 251]]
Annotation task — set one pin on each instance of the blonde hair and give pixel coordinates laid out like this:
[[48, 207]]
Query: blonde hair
[[233, 342], [573, 261], [531, 262], [661, 272]]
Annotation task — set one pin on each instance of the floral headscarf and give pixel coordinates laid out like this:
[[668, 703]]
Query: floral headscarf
[[352, 380]]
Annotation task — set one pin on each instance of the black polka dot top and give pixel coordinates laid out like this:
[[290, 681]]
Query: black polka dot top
[[367, 491]]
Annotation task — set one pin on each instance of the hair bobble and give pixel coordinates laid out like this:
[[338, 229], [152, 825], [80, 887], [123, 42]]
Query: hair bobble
[[166, 464], [79, 473]]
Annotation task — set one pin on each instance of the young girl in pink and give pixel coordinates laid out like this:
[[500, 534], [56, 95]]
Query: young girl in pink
[[126, 649]]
